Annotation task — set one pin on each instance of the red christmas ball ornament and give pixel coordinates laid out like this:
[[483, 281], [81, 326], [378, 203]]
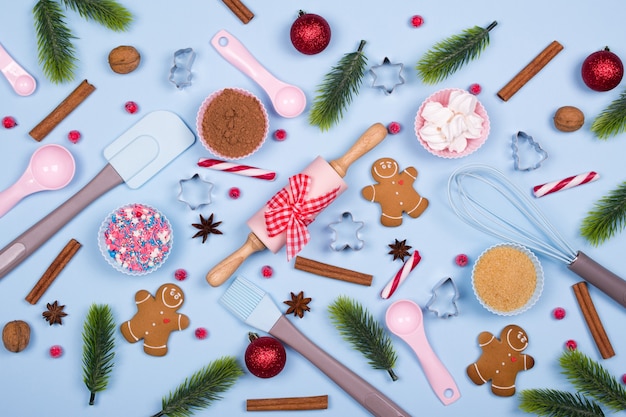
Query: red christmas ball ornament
[[602, 70], [265, 356], [310, 33]]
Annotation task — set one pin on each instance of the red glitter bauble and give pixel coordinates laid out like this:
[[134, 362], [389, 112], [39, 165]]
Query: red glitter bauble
[[602, 70], [265, 356], [310, 33]]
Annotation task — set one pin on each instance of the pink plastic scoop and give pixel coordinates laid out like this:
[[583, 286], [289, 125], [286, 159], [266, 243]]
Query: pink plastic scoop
[[22, 82], [288, 100], [51, 167], [404, 319]]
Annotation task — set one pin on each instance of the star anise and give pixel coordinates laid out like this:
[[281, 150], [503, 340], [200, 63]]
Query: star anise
[[399, 249], [207, 227], [54, 314], [298, 304]]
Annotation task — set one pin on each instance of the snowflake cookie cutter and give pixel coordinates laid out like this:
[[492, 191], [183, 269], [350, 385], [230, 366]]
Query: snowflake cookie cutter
[[443, 299], [540, 154], [180, 73], [195, 191], [387, 76], [346, 233]]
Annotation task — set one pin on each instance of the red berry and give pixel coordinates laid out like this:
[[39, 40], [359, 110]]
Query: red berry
[[201, 333], [461, 259], [571, 344], [180, 274], [559, 313], [56, 351], [267, 271], [131, 107], [74, 136], [624, 379], [417, 21], [394, 128], [475, 89], [280, 134], [234, 193], [9, 122]]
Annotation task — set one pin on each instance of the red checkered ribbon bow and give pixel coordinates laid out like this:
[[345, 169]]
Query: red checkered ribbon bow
[[289, 211]]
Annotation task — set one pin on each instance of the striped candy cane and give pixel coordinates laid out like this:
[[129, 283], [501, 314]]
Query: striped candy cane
[[564, 184], [401, 275], [239, 169]]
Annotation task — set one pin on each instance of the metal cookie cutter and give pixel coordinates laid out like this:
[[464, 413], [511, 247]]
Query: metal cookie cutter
[[387, 76], [539, 154], [180, 74], [443, 301], [195, 191], [346, 233]]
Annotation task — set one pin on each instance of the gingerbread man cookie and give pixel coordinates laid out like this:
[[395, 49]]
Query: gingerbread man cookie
[[156, 318], [501, 360], [394, 192]]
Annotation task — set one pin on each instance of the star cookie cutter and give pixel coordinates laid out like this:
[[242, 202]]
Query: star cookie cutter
[[387, 76], [346, 233], [443, 301], [539, 153], [180, 73], [195, 191]]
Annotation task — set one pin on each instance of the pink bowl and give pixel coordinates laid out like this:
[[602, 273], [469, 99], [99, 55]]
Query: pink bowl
[[200, 115], [442, 96]]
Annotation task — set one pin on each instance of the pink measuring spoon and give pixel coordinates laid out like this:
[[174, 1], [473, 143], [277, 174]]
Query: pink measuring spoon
[[51, 167], [404, 318], [288, 100], [22, 82]]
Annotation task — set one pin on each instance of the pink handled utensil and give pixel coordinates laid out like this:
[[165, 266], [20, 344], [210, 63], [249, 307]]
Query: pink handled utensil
[[404, 318], [21, 81]]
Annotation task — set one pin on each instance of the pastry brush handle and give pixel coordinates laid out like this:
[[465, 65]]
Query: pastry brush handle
[[362, 391], [227, 267], [365, 143], [600, 277]]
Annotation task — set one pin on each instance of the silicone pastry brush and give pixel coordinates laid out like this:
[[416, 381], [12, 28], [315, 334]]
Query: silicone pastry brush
[[255, 307]]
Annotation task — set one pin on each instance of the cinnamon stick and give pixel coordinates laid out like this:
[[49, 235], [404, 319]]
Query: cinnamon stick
[[331, 271], [319, 402], [68, 105], [240, 10], [53, 271], [530, 70], [593, 320]]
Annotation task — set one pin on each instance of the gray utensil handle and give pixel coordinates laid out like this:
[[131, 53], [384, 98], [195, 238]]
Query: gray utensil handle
[[600, 277], [29, 241], [362, 391]]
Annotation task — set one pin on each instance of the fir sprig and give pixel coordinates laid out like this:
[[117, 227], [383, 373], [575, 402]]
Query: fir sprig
[[556, 403], [612, 120], [201, 389], [607, 218], [450, 54], [338, 88], [56, 51], [98, 348], [358, 327]]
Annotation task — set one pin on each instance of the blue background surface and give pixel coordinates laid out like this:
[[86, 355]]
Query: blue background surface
[[34, 384]]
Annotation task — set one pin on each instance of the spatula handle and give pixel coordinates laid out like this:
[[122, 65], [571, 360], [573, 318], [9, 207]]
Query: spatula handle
[[600, 277], [29, 241], [227, 267], [365, 143]]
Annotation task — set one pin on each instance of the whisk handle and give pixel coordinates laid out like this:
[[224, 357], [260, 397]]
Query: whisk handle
[[600, 277]]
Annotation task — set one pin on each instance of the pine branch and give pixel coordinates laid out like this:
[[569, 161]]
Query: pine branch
[[554, 403], [450, 54], [338, 88], [358, 327], [108, 13], [607, 218], [591, 378], [54, 42], [202, 388], [612, 120], [98, 346]]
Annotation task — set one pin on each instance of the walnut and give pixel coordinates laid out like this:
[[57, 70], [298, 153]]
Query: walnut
[[124, 59], [568, 119], [16, 335]]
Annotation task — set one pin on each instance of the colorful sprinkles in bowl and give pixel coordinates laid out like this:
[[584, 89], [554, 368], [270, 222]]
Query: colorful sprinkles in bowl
[[135, 239]]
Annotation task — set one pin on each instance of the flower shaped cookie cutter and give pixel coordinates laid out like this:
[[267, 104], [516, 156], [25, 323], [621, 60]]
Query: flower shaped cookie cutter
[[443, 301], [346, 233], [195, 191], [387, 76], [540, 154]]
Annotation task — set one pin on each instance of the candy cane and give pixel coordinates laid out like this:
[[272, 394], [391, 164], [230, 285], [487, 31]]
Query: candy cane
[[401, 275], [565, 183], [240, 169]]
